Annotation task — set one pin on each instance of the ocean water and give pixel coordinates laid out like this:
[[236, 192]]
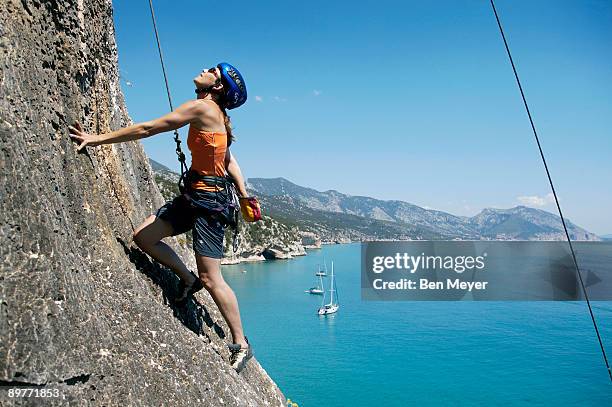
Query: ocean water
[[417, 353]]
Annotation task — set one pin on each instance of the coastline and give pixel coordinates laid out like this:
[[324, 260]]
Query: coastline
[[289, 255]]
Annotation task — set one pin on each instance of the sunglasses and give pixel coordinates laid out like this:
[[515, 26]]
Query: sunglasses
[[215, 72]]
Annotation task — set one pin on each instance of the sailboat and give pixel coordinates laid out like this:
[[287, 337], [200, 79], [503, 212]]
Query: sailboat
[[332, 306], [322, 273], [318, 289]]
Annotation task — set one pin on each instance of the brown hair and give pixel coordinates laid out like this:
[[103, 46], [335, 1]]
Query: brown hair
[[226, 119], [228, 127]]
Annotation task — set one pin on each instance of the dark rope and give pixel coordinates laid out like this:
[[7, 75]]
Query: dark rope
[[177, 140], [569, 241]]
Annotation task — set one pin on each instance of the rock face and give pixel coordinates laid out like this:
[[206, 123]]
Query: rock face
[[82, 310], [310, 240], [258, 239]]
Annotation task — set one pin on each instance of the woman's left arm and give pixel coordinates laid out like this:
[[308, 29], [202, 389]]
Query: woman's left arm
[[183, 115], [233, 169]]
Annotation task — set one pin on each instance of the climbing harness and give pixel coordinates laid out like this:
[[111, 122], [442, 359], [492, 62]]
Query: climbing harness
[[227, 205], [230, 202], [552, 187]]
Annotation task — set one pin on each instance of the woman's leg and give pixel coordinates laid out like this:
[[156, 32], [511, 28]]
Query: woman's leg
[[148, 237], [210, 274]]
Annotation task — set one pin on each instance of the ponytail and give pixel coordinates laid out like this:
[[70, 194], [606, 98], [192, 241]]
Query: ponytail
[[228, 127]]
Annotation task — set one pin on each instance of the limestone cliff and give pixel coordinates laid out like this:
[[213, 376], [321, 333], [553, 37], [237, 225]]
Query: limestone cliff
[[82, 310]]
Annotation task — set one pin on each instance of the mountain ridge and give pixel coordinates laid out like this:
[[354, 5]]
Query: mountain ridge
[[339, 217], [520, 222]]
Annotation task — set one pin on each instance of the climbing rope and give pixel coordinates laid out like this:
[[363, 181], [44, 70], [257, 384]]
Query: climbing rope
[[552, 187], [177, 140]]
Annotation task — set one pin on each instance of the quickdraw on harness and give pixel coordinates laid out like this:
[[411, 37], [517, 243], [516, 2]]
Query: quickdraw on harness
[[237, 96]]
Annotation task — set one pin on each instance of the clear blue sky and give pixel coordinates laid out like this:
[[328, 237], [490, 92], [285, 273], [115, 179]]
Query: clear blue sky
[[400, 100]]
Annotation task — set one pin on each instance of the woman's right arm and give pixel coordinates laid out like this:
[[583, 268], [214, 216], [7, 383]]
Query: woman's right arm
[[183, 115]]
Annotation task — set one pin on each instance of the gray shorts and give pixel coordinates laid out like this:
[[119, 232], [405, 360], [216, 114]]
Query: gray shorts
[[206, 227]]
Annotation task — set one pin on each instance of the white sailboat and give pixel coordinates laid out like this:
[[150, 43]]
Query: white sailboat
[[332, 306], [322, 273], [318, 289]]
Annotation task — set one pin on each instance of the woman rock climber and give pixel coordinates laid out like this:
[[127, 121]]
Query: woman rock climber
[[203, 207]]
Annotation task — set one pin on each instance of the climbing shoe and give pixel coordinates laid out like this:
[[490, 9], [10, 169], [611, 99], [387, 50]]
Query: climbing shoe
[[239, 356], [187, 290]]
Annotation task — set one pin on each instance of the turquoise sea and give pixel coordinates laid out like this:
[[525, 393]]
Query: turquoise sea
[[416, 353]]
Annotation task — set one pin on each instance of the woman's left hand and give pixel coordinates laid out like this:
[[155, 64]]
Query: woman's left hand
[[84, 139]]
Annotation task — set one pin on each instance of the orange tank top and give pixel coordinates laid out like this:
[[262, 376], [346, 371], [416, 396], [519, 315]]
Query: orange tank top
[[207, 154]]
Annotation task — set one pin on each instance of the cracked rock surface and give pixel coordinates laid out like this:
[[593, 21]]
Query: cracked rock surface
[[82, 309]]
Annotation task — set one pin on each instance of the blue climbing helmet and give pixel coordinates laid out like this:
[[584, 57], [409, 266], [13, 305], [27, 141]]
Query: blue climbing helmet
[[235, 88]]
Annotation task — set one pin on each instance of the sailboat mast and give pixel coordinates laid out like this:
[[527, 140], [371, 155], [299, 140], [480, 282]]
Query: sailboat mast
[[331, 300]]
